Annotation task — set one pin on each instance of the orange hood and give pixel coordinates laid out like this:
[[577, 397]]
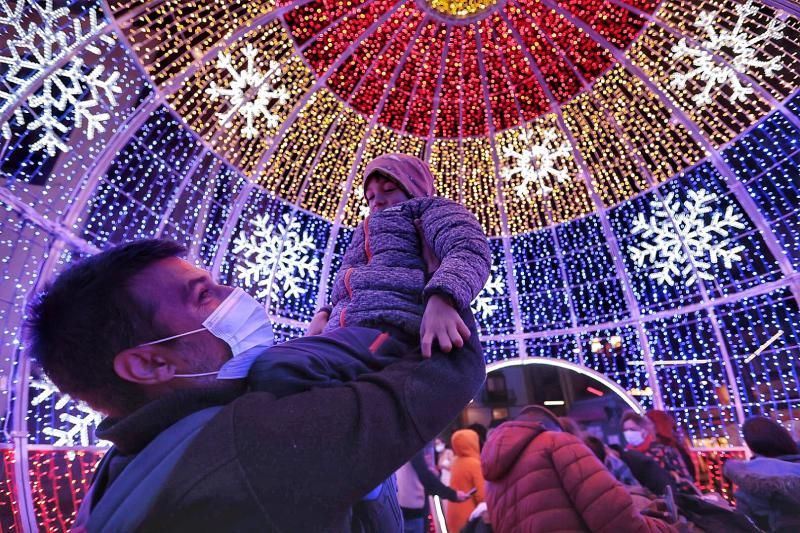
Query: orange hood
[[466, 443]]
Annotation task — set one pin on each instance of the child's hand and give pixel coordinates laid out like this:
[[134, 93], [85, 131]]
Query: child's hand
[[318, 323], [440, 322]]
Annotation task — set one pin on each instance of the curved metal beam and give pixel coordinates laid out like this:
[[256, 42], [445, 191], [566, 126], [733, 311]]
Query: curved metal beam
[[511, 282], [584, 370], [721, 167], [758, 290], [608, 234]]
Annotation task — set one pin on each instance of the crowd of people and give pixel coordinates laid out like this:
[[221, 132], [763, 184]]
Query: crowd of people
[[217, 428], [540, 472]]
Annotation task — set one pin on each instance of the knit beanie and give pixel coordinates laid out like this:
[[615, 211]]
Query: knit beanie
[[410, 173]]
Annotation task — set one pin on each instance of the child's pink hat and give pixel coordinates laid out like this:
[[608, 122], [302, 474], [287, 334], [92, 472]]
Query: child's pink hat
[[411, 173]]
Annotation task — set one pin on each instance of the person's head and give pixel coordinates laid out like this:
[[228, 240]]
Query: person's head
[[89, 328], [439, 445], [394, 178], [597, 447], [665, 427], [766, 437], [637, 428], [465, 443], [480, 429], [542, 415]]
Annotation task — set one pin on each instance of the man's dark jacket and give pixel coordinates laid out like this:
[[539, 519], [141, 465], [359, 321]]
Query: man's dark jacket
[[299, 463]]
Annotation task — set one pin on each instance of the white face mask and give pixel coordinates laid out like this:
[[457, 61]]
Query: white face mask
[[243, 323], [634, 438]]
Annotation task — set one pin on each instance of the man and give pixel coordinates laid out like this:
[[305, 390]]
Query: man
[[140, 334]]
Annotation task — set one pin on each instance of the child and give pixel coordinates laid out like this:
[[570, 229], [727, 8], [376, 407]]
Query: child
[[385, 284]]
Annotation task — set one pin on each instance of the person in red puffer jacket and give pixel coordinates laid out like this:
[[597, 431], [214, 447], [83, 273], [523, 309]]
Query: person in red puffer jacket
[[541, 479]]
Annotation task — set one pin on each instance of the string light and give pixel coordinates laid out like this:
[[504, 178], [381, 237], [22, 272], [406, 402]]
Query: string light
[[421, 85]]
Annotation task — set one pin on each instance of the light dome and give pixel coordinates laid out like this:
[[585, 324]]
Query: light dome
[[635, 165]]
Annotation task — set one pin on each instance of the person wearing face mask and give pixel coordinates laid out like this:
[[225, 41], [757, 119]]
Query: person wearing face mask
[[542, 479], [160, 348], [640, 434]]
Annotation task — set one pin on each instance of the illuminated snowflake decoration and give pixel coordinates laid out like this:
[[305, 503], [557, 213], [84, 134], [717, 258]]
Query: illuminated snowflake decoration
[[77, 428], [78, 421], [276, 258], [742, 48], [678, 240], [251, 92], [484, 304], [538, 162], [36, 43]]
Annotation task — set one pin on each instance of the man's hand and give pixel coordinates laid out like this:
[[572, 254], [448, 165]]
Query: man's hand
[[440, 322], [462, 496], [318, 323]]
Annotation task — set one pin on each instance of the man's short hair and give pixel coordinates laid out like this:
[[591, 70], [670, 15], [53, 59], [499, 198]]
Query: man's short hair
[[81, 321]]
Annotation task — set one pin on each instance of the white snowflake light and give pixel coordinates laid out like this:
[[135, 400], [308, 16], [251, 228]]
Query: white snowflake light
[[537, 163], [690, 245], [484, 305], [32, 50], [363, 207], [250, 93], [46, 389], [276, 258], [76, 428], [741, 46]]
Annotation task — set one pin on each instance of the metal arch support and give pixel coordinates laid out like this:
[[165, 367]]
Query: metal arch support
[[586, 371], [63, 236], [509, 257], [719, 165], [713, 155], [205, 203], [228, 227], [608, 233], [793, 8], [418, 77]]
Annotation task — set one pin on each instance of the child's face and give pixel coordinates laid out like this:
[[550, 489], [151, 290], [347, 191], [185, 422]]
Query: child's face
[[382, 193]]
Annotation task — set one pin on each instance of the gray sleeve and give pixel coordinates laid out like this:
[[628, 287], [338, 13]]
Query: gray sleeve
[[458, 240]]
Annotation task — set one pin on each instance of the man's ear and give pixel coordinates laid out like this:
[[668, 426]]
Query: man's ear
[[145, 365]]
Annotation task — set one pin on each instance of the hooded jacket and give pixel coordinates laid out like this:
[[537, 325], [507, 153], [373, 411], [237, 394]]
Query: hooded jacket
[[383, 278], [768, 490], [465, 475], [542, 481]]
